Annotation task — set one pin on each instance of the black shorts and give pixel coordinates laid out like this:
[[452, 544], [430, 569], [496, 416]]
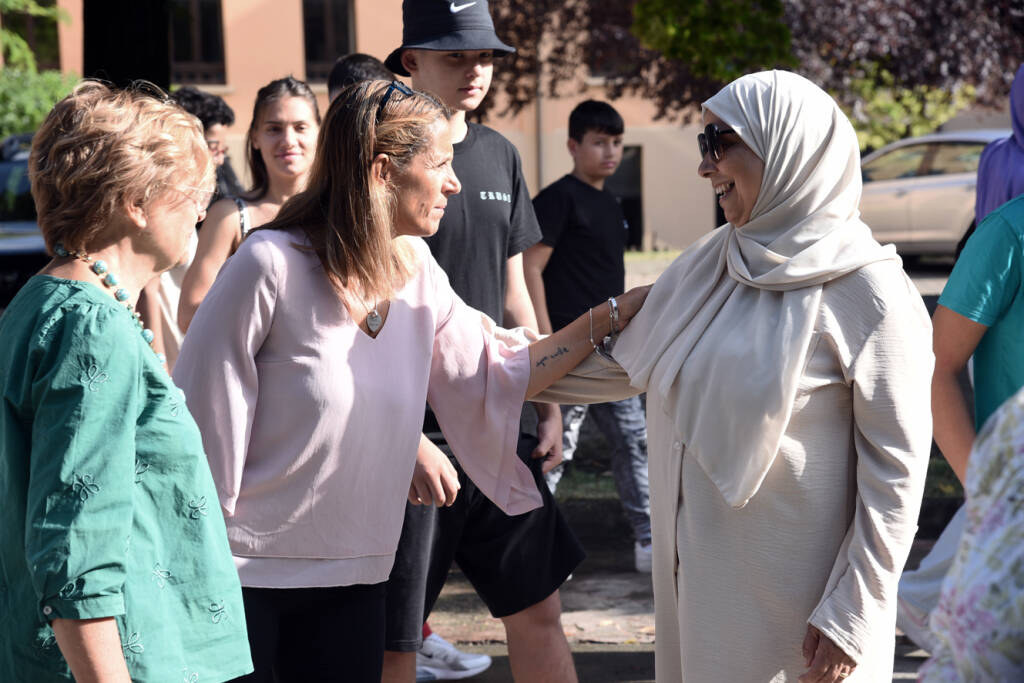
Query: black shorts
[[513, 562]]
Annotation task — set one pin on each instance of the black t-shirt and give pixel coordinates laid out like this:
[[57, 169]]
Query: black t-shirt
[[588, 232], [484, 225], [488, 222]]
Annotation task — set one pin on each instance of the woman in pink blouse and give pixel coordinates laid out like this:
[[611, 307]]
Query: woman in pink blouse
[[307, 366]]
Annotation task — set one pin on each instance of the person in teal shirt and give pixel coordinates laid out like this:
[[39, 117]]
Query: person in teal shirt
[[980, 313], [114, 560]]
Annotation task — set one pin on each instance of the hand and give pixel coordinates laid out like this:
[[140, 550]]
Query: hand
[[549, 435], [826, 662], [434, 480], [630, 304]]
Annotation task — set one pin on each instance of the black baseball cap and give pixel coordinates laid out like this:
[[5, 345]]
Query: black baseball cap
[[446, 25]]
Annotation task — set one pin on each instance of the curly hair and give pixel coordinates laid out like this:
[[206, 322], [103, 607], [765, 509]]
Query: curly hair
[[101, 149], [347, 218], [210, 109]]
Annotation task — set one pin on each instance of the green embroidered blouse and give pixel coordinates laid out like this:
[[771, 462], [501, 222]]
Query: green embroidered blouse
[[109, 506]]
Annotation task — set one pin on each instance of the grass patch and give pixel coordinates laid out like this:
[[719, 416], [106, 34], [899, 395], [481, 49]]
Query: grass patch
[[586, 484], [941, 481]]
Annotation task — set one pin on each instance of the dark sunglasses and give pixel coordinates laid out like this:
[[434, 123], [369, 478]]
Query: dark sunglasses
[[402, 88], [711, 140]]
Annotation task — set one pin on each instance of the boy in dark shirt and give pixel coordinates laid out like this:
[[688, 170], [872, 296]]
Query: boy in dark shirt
[[515, 563], [578, 264]]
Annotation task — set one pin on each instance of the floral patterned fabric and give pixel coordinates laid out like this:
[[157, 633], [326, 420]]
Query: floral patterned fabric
[[979, 621], [109, 509]]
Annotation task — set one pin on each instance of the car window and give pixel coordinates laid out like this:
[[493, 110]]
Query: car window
[[15, 192], [955, 157], [902, 162]]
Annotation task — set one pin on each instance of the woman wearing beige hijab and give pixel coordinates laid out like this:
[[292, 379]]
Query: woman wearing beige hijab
[[787, 362]]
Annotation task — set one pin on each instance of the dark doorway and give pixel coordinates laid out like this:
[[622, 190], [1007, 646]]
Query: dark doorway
[[127, 40], [627, 185]]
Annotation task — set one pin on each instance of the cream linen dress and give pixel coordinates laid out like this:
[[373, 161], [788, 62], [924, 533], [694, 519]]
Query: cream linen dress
[[824, 539]]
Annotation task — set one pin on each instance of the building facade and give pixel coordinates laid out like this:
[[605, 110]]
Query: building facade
[[233, 47]]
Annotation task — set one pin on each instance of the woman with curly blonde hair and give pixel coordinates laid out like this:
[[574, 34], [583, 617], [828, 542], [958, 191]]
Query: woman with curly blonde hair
[[114, 562]]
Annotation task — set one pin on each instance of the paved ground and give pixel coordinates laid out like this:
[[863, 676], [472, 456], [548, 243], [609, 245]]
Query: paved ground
[[607, 608]]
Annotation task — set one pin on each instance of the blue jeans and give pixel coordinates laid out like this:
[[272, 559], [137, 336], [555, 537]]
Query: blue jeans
[[623, 424]]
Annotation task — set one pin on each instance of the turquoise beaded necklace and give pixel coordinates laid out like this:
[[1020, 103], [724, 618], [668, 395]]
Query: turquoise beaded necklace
[[111, 281]]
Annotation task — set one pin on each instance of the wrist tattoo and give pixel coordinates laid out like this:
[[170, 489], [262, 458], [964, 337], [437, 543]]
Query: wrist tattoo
[[560, 351]]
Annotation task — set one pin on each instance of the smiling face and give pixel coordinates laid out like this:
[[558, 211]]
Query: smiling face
[[459, 79], [422, 188], [286, 136], [596, 156], [736, 177]]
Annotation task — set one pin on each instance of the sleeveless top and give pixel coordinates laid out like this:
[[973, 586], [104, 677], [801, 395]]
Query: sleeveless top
[[243, 215]]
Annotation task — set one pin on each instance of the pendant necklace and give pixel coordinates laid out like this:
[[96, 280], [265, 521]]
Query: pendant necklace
[[373, 319], [111, 281]]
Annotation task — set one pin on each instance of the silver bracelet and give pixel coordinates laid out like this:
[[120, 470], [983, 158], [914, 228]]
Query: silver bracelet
[[590, 313], [613, 315]]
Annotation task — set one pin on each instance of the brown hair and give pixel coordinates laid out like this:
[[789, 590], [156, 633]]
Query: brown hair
[[346, 215], [273, 91], [101, 149]]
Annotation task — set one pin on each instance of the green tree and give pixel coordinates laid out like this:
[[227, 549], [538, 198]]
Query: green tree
[[717, 40], [27, 94], [883, 112], [907, 63]]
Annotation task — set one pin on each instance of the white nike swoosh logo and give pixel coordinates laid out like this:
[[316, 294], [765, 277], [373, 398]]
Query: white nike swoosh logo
[[458, 8]]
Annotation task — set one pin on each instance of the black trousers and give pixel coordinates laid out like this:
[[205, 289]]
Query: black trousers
[[307, 635]]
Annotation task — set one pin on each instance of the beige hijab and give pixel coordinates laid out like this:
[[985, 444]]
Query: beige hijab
[[724, 335]]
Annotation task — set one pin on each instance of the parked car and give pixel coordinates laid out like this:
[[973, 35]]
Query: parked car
[[22, 250], [919, 192]]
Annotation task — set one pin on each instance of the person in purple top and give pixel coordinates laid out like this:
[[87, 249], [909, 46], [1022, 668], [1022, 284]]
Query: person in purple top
[[1001, 167]]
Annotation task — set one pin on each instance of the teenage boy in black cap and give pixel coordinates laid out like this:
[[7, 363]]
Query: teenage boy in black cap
[[515, 563]]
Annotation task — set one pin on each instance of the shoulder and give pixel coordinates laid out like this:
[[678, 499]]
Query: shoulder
[[491, 141], [69, 318], [273, 246], [558, 191], [878, 297], [992, 254], [1009, 217], [222, 211]]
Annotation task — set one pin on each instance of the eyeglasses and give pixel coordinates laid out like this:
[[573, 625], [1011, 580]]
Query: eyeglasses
[[402, 89], [201, 198], [711, 140]]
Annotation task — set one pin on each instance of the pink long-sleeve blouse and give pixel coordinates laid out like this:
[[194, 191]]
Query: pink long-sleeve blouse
[[311, 426]]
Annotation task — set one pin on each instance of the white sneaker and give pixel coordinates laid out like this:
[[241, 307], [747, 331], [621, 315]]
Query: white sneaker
[[642, 557], [444, 662]]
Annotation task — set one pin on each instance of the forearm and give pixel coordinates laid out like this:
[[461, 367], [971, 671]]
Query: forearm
[[555, 355], [953, 427], [92, 649]]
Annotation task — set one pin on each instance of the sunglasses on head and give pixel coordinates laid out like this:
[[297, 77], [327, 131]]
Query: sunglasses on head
[[402, 89], [711, 141]]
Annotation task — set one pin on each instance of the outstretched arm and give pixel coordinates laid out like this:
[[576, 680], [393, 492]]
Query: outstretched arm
[[554, 356]]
